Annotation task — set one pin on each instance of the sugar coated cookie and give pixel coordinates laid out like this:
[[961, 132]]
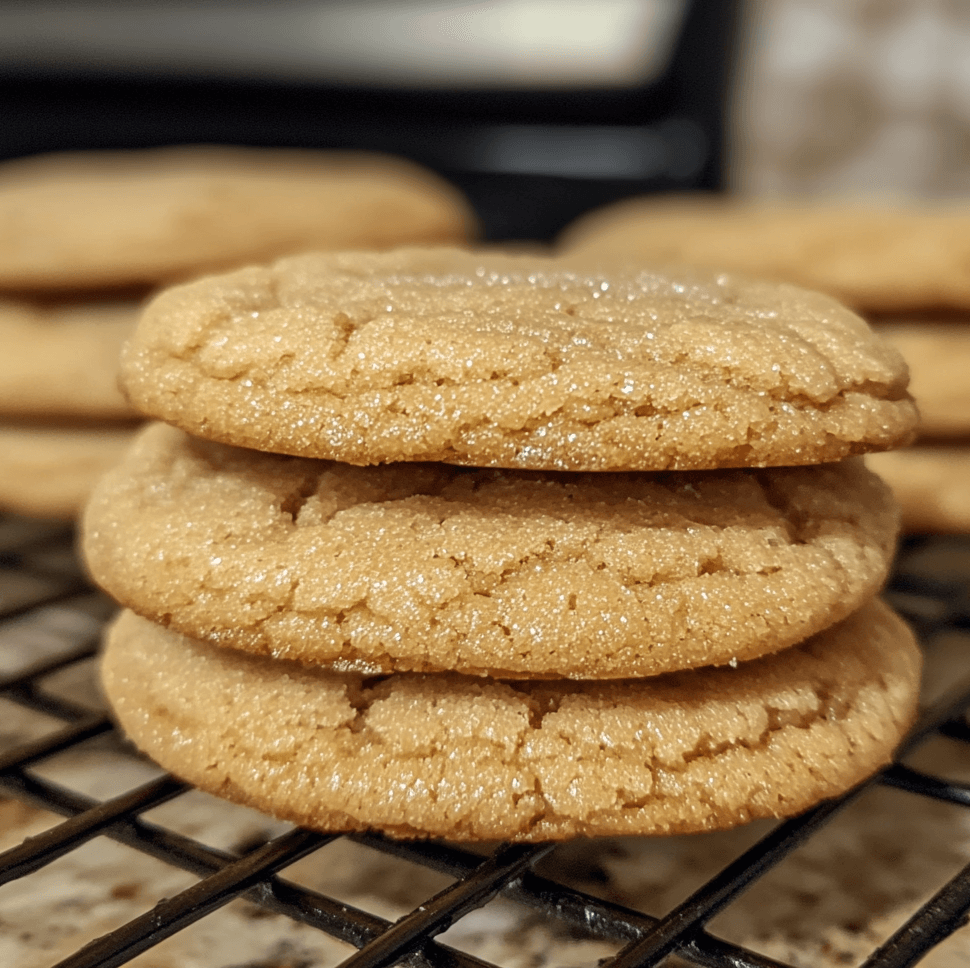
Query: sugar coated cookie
[[423, 567], [873, 257], [49, 472], [932, 485], [470, 759], [938, 355], [515, 361], [60, 360], [96, 219]]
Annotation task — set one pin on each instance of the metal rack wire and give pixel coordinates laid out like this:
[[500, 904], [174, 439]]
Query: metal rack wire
[[38, 571]]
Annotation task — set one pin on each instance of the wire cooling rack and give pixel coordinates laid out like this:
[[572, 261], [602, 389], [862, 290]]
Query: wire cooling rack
[[40, 579]]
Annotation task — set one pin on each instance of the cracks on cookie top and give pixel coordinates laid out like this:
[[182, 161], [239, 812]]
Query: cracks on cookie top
[[540, 805], [833, 706], [344, 328], [660, 792], [620, 406], [796, 521], [362, 693], [830, 707], [707, 747], [541, 699], [262, 296], [482, 583], [363, 612], [485, 582], [528, 788], [712, 565], [265, 296], [542, 437], [552, 442], [282, 605], [292, 503], [628, 800]]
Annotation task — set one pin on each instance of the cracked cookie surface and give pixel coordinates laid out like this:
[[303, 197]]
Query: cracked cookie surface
[[97, 219], [481, 759], [423, 567], [516, 361]]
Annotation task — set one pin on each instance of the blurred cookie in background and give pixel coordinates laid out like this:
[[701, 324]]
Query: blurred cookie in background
[[876, 257], [85, 237], [60, 358], [48, 471], [126, 218], [932, 486], [937, 350]]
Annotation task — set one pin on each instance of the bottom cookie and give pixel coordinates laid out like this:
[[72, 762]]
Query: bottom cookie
[[49, 472], [469, 758]]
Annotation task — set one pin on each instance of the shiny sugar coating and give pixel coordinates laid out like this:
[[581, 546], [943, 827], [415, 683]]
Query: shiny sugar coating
[[431, 567], [516, 361]]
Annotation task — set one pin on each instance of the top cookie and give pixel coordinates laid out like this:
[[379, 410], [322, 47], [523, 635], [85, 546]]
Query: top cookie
[[91, 220], [873, 258], [515, 361]]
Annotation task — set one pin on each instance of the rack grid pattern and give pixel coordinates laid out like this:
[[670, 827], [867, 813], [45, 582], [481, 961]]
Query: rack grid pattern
[[38, 569]]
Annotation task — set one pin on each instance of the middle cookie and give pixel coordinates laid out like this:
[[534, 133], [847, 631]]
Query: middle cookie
[[427, 567]]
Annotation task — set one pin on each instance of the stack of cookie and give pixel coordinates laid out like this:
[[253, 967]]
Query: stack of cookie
[[903, 267], [85, 237], [63, 421], [487, 547]]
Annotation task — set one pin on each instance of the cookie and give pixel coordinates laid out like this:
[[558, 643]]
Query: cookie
[[938, 355], [472, 759], [932, 485], [102, 219], [875, 258], [60, 360], [49, 472], [424, 567], [515, 361]]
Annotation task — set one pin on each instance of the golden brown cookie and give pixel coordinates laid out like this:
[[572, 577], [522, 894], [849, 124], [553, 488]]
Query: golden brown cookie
[[423, 567], [49, 472], [875, 258], [515, 361], [95, 219], [480, 759], [60, 360], [938, 355], [932, 485]]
